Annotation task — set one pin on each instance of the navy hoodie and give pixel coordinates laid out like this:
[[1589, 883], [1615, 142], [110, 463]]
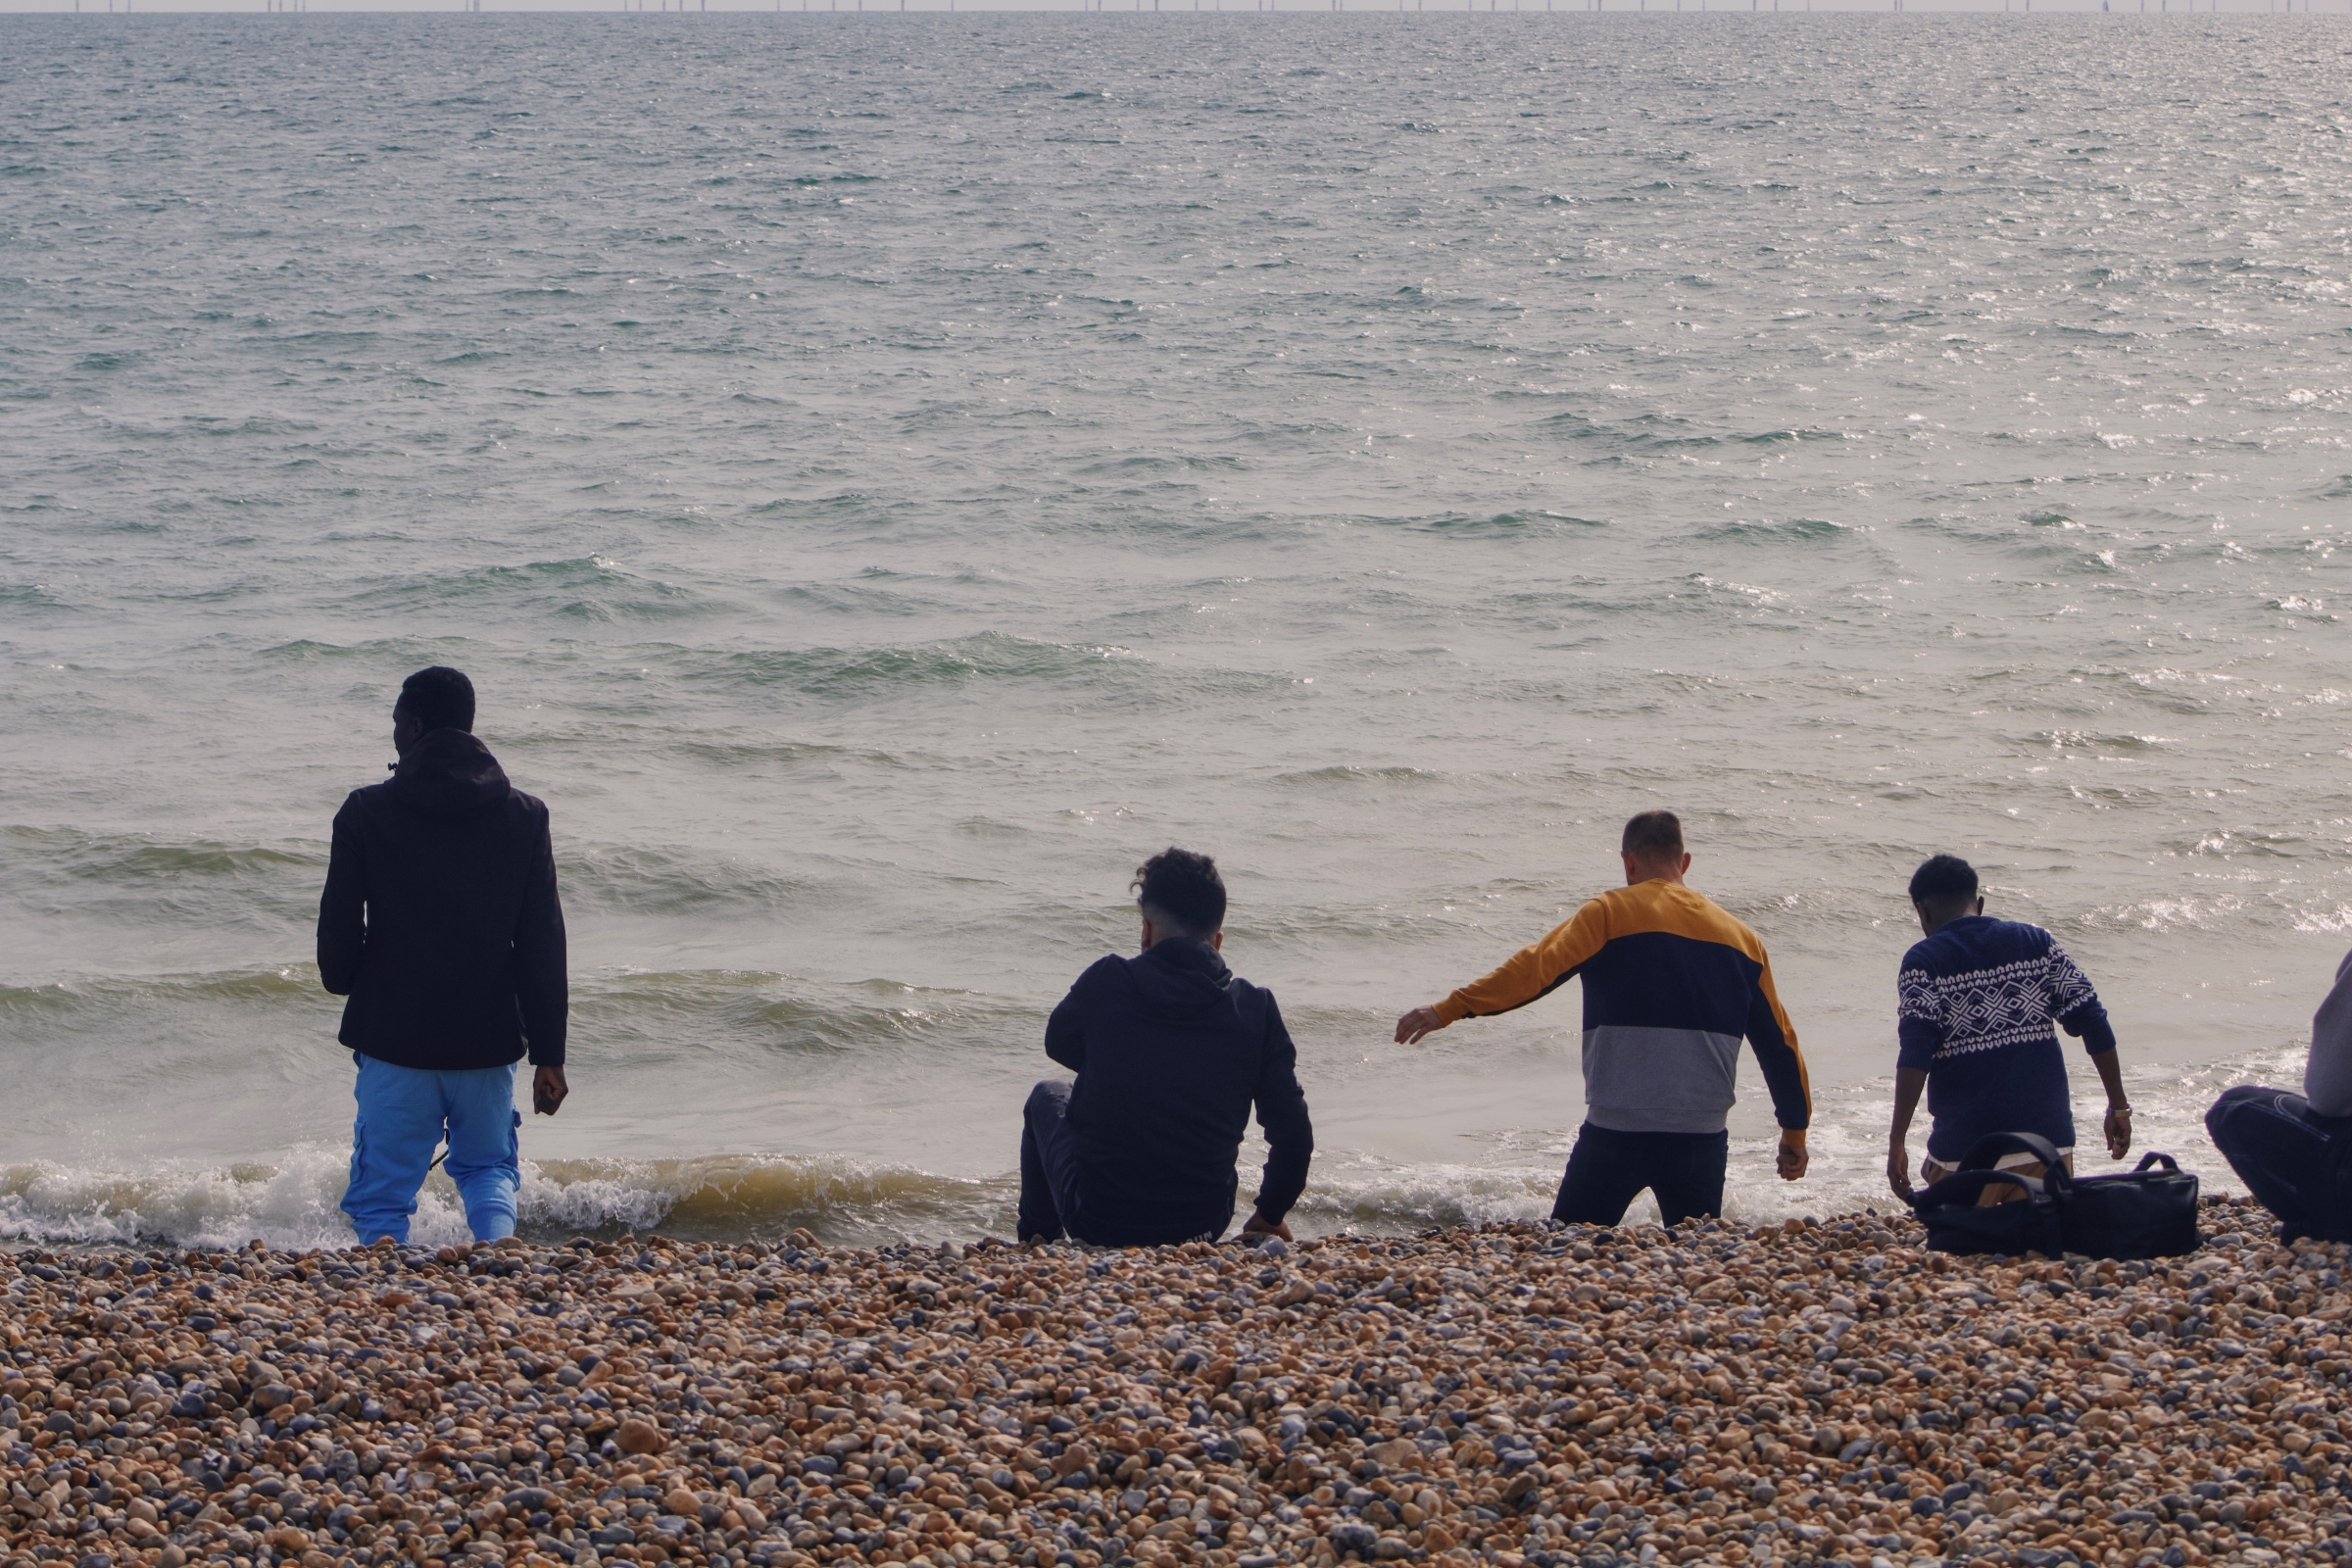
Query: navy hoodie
[[440, 919], [1170, 1048]]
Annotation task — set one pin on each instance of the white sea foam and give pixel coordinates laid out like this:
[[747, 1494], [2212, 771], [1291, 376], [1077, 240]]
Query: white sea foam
[[291, 1201]]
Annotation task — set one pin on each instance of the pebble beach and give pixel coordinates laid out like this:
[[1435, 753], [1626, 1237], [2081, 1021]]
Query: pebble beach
[[1819, 1390]]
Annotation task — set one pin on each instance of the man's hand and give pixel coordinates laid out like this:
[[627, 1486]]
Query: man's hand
[[1258, 1226], [2119, 1131], [548, 1090], [1418, 1025], [1791, 1161], [1899, 1171]]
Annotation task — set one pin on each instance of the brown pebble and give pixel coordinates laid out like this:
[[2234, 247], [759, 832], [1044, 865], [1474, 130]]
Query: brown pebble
[[638, 1438]]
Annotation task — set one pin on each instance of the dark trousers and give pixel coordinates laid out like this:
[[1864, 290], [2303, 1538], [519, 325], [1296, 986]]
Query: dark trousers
[[1607, 1170], [2292, 1159], [1048, 1165]]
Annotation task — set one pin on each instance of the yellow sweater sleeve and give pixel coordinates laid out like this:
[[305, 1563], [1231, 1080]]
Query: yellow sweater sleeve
[[1533, 970]]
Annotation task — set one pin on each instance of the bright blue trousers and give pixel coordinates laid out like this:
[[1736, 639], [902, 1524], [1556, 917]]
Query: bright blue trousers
[[404, 1113]]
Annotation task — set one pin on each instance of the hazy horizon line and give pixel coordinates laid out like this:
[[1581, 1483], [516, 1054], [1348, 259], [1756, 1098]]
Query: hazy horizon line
[[747, 7]]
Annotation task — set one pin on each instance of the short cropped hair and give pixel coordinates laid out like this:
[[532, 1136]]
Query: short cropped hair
[[439, 697], [1181, 889], [1943, 879], [1653, 836]]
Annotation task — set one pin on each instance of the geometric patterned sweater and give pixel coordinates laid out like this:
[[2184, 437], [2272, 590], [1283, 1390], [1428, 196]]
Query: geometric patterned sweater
[[1976, 1003]]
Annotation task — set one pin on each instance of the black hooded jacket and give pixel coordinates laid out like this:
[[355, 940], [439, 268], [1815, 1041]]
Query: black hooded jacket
[[440, 919], [1170, 1048]]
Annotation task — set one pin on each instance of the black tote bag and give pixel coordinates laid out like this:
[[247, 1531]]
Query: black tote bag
[[1956, 1224], [2150, 1211]]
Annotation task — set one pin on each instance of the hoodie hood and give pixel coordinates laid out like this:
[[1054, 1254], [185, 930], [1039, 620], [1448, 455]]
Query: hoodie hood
[[448, 775], [1181, 979]]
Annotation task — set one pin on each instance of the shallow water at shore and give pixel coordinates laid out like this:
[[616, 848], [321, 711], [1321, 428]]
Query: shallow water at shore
[[885, 480]]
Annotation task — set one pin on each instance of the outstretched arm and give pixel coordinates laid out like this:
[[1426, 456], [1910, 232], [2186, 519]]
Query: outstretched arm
[[1534, 970]]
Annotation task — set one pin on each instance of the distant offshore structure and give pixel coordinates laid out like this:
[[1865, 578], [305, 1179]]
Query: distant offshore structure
[[1516, 6], [298, 7], [302, 7]]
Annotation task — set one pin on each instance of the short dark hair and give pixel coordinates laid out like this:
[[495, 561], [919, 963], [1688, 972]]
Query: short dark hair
[[1181, 889], [1943, 879], [1653, 836], [440, 697]]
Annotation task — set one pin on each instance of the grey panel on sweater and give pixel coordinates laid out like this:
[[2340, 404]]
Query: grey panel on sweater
[[1647, 1080]]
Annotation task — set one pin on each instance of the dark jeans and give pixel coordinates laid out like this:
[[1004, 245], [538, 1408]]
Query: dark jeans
[[2291, 1157], [1607, 1170], [1048, 1165]]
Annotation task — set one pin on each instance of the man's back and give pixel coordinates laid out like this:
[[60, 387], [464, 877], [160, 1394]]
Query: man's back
[[1984, 983], [1170, 1049], [1979, 1006], [440, 919], [1672, 982]]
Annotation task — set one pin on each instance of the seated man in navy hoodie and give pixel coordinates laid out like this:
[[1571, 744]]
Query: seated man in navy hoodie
[[1170, 1048]]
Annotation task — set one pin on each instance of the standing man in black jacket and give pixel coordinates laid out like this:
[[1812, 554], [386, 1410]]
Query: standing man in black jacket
[[440, 922], [1170, 1048]]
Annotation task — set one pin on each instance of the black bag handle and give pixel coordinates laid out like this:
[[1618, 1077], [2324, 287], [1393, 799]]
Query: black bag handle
[[1963, 1188], [1986, 1151], [2152, 1158]]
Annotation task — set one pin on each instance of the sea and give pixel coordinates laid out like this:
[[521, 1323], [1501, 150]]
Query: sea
[[888, 474]]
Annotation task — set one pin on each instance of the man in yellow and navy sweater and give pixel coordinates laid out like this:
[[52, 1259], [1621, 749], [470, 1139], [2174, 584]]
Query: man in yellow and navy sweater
[[1671, 984]]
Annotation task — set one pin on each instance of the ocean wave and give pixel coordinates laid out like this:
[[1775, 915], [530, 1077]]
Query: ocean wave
[[665, 882], [292, 1201], [60, 1000], [1342, 774], [1503, 523], [28, 595], [150, 881], [384, 652], [985, 658], [581, 588], [1795, 530], [773, 1010], [57, 856], [725, 750], [1381, 1199], [860, 672], [748, 1008]]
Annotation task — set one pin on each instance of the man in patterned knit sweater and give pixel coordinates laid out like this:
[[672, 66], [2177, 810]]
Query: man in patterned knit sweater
[[1977, 1002]]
